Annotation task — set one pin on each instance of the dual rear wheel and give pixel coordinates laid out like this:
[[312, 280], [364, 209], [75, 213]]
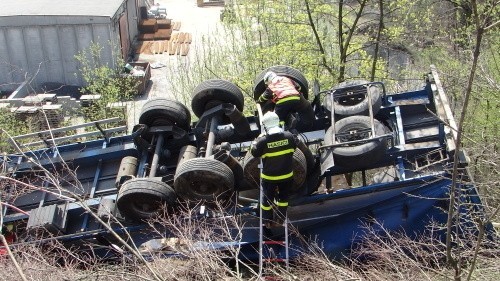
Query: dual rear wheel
[[195, 179]]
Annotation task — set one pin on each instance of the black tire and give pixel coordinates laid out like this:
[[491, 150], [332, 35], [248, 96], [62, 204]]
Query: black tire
[[142, 198], [203, 179], [357, 103], [305, 116], [362, 155], [252, 173], [299, 170], [213, 92], [250, 169], [259, 87], [165, 112], [308, 155]]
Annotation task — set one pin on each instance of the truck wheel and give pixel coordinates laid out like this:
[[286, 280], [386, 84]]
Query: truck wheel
[[142, 198], [165, 112], [213, 92], [252, 172], [203, 179], [305, 116], [355, 103], [308, 155], [259, 87], [357, 156], [299, 170]]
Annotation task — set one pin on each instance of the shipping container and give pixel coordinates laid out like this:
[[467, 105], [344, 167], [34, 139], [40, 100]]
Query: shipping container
[[40, 38]]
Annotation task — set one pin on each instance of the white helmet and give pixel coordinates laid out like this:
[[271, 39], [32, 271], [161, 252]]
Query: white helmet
[[271, 123], [269, 76]]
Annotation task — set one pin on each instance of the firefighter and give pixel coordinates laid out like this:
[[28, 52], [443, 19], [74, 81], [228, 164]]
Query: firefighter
[[283, 92], [276, 148]]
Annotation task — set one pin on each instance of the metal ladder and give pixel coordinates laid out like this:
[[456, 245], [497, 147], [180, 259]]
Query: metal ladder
[[272, 258], [269, 247]]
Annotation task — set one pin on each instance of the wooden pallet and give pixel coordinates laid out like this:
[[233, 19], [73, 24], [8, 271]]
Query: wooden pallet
[[144, 47], [163, 34], [158, 47], [176, 25], [179, 43], [173, 44], [166, 46], [188, 38], [146, 37]]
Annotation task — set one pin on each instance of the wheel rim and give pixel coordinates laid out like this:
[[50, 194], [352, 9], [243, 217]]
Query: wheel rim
[[203, 179], [162, 122], [145, 207], [213, 103], [201, 187], [141, 198], [358, 154], [350, 99], [354, 133]]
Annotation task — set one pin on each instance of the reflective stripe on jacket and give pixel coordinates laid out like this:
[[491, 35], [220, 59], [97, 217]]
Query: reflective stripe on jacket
[[276, 152]]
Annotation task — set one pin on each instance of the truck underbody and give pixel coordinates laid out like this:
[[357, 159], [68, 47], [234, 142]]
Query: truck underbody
[[400, 145]]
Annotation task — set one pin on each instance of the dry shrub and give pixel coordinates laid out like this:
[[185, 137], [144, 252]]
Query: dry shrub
[[187, 252], [48, 262], [315, 265], [397, 256], [206, 245]]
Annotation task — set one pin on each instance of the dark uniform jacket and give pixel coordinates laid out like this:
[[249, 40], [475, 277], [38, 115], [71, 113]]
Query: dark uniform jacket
[[276, 151]]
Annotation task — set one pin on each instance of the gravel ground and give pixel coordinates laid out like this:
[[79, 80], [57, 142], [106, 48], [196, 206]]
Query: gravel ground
[[199, 21]]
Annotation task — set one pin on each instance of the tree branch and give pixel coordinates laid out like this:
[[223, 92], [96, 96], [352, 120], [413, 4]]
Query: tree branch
[[453, 189], [12, 258], [377, 42], [318, 40]]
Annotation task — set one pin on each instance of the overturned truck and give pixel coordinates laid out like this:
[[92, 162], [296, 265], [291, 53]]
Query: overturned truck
[[401, 147]]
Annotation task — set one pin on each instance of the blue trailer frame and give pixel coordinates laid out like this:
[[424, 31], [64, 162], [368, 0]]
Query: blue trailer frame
[[420, 148]]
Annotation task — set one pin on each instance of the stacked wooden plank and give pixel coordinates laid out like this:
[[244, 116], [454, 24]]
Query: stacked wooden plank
[[178, 44], [218, 3], [157, 37], [164, 23], [163, 34], [146, 37], [51, 116], [148, 26], [155, 29], [40, 111]]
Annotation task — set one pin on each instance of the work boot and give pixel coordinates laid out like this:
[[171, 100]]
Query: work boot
[[273, 224], [268, 222], [279, 221]]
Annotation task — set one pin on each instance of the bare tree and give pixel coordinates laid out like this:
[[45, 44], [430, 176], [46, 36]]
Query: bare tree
[[482, 20]]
